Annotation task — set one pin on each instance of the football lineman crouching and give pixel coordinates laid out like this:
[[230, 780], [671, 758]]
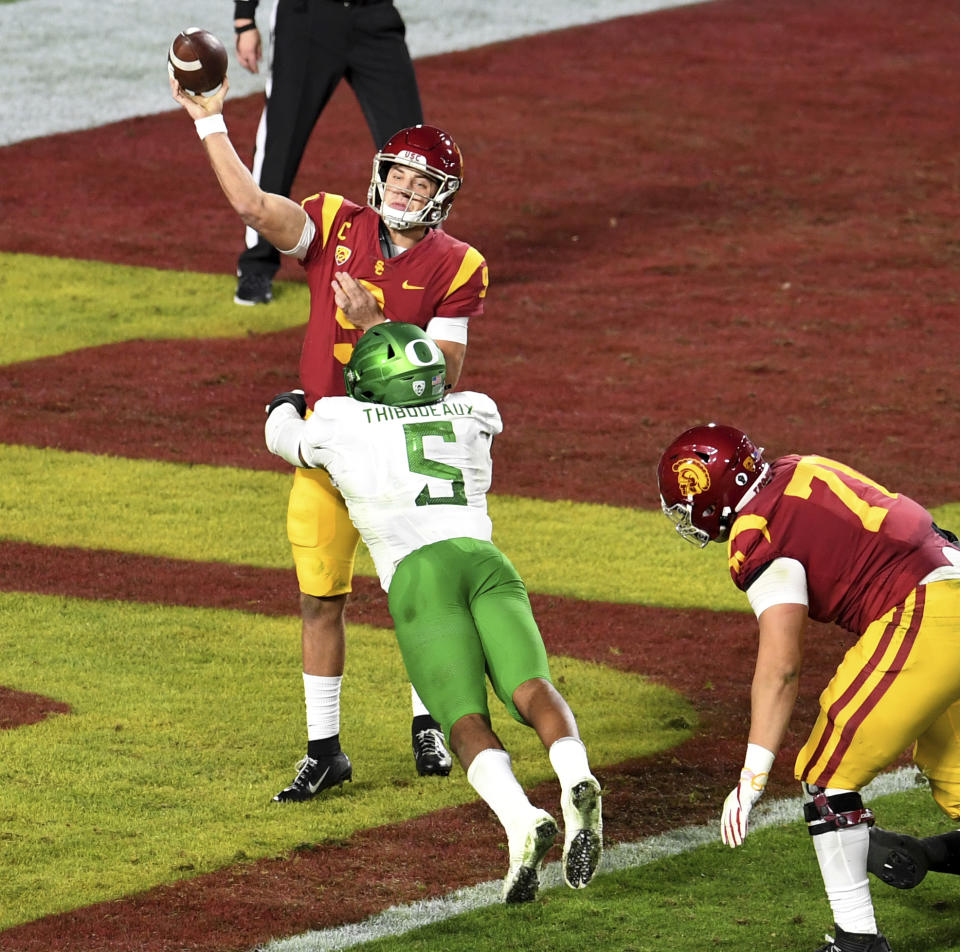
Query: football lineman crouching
[[415, 487], [810, 537]]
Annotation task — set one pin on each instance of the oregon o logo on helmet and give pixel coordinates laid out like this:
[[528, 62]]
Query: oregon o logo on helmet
[[433, 355]]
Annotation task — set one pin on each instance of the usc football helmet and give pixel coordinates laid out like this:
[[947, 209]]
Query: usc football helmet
[[396, 364], [428, 150], [706, 475]]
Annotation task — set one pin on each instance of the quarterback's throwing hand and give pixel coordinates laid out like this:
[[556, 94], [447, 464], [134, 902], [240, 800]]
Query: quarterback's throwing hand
[[199, 107]]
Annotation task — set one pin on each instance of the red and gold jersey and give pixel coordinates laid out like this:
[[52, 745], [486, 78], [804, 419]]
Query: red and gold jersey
[[439, 276], [864, 549]]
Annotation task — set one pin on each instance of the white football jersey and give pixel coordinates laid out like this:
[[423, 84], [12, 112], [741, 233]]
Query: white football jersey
[[409, 475]]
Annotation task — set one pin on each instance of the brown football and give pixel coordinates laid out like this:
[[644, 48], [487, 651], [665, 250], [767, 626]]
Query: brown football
[[197, 61]]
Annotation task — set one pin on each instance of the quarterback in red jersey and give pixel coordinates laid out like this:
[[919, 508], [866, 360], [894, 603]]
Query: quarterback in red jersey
[[437, 275], [810, 537], [365, 265]]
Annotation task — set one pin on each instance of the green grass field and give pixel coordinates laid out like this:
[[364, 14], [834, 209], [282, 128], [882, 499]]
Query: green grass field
[[182, 719], [766, 895]]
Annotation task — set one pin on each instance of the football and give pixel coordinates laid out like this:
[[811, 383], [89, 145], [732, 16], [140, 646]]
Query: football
[[197, 61]]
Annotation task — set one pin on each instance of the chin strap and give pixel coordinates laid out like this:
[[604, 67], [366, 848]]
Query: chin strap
[[386, 245], [755, 487], [835, 812]]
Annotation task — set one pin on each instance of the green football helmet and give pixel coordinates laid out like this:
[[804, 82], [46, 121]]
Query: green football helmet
[[396, 364]]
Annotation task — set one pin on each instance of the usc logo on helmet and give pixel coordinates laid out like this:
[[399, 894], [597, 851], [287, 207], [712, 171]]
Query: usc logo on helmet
[[692, 476]]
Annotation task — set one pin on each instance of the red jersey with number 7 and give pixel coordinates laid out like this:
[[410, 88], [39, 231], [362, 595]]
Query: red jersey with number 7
[[864, 548], [439, 276]]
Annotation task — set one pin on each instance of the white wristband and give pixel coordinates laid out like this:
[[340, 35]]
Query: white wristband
[[207, 125], [756, 766]]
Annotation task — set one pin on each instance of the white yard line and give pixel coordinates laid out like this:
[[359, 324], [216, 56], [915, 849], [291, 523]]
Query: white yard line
[[67, 66], [400, 919]]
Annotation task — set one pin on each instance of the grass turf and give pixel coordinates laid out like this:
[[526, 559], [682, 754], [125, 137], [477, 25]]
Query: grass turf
[[765, 895], [91, 303], [183, 719], [191, 512]]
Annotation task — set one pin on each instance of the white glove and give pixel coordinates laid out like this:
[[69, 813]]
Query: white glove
[[737, 806]]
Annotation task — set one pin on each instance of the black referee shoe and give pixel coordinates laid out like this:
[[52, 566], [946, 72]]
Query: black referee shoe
[[253, 288]]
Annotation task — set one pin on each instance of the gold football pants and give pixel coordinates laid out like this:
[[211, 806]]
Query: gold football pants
[[322, 537], [898, 686]]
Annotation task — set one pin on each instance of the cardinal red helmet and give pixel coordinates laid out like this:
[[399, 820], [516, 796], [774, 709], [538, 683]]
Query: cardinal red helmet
[[706, 475], [426, 149]]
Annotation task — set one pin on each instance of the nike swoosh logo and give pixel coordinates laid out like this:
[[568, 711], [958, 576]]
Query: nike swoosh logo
[[412, 287], [314, 787]]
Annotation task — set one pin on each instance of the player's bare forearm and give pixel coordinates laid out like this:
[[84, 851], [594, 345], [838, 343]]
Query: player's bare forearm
[[236, 180], [776, 675], [771, 705], [275, 217], [454, 354]]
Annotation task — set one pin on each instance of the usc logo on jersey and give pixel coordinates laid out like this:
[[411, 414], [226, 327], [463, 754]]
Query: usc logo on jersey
[[692, 476]]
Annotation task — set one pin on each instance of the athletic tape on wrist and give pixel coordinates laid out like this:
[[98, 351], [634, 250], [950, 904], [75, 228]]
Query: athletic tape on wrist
[[207, 125], [756, 767]]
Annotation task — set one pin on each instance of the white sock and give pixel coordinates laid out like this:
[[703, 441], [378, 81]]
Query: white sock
[[569, 759], [491, 775], [842, 855], [323, 705], [419, 707]]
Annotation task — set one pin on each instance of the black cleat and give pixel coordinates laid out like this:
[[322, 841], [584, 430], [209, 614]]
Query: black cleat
[[253, 288], [314, 776], [430, 753], [895, 858], [855, 942]]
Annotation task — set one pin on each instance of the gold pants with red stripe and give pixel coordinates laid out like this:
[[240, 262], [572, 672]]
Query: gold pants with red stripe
[[898, 686]]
